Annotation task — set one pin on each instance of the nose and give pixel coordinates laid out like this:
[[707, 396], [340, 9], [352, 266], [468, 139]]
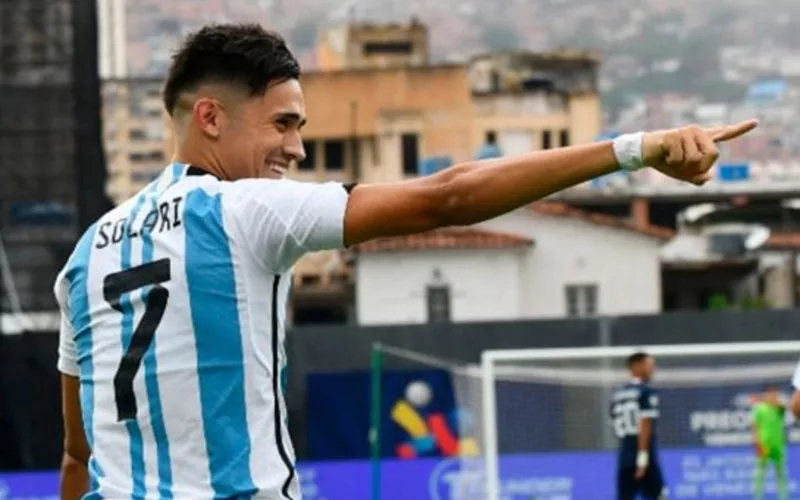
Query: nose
[[293, 146]]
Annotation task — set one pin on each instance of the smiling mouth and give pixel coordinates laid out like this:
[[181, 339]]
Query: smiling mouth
[[276, 168]]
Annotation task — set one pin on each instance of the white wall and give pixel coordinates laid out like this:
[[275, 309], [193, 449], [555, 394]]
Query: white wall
[[519, 283], [484, 285], [623, 264]]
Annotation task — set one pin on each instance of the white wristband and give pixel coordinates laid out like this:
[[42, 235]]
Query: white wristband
[[628, 149], [642, 459]]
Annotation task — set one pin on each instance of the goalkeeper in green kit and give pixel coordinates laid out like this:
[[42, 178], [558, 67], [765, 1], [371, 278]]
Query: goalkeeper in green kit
[[769, 426]]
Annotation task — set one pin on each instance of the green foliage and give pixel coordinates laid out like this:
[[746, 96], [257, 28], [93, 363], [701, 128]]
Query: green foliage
[[719, 302]]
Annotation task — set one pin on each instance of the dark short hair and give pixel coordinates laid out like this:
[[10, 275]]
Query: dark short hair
[[772, 387], [246, 55], [636, 358]]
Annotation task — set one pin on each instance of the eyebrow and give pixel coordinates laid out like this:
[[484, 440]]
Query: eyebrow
[[295, 117]]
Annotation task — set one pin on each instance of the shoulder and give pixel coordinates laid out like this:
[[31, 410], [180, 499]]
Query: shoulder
[[281, 198]]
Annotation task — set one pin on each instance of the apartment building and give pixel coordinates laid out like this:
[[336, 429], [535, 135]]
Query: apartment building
[[136, 134], [378, 112]]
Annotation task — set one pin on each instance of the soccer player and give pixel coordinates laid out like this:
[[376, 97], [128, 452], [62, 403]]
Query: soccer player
[[173, 303], [769, 429], [634, 410]]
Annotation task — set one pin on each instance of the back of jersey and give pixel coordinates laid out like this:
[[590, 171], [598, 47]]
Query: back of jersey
[[630, 403], [130, 302], [172, 316]]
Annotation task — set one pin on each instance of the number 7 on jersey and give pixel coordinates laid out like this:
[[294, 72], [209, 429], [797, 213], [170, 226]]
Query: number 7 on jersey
[[114, 287]]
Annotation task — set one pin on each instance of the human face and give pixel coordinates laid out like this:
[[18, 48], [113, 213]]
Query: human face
[[649, 368], [645, 369], [773, 396], [262, 136]]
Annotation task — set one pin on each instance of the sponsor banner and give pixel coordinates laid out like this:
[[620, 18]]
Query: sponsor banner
[[692, 474]]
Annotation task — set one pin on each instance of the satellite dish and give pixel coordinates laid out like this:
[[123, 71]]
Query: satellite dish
[[757, 237], [694, 213]]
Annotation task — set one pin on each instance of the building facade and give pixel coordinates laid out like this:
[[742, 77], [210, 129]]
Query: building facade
[[136, 134], [542, 262]]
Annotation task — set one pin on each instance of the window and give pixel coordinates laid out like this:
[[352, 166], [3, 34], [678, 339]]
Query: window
[[438, 298], [355, 155], [387, 48], [410, 153], [154, 156], [310, 162], [547, 139], [334, 155], [137, 134], [563, 137], [581, 300]]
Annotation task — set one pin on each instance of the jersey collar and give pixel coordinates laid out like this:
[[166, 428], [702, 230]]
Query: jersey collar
[[195, 170]]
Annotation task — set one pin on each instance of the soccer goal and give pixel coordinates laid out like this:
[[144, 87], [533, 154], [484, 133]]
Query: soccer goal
[[546, 431]]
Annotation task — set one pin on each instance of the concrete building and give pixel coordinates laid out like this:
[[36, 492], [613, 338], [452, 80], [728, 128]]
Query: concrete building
[[366, 45], [544, 261], [136, 134], [112, 39]]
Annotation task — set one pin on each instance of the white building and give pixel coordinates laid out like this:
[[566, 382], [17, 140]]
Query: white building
[[545, 261]]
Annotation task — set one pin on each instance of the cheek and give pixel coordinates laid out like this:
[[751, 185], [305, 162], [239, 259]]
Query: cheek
[[272, 140]]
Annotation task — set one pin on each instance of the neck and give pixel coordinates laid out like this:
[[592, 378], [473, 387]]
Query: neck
[[192, 152]]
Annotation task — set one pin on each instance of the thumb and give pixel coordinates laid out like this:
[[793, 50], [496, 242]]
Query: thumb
[[722, 134]]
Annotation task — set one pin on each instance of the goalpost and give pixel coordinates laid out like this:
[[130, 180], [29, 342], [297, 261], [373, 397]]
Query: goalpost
[[549, 401]]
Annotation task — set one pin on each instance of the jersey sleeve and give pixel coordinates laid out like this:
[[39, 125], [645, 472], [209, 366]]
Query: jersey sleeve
[[648, 403], [67, 351], [281, 220]]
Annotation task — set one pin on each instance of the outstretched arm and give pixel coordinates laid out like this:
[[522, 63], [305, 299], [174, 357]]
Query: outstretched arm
[[282, 220], [476, 191]]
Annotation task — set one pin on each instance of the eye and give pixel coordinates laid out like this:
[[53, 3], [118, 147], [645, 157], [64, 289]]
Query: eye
[[283, 124]]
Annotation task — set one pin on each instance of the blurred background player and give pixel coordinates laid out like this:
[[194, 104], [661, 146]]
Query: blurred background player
[[634, 410], [769, 427]]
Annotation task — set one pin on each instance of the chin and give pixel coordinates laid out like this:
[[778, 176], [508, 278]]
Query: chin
[[271, 174]]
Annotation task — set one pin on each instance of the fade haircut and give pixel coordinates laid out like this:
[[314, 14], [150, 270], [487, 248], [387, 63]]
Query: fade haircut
[[636, 358], [245, 55]]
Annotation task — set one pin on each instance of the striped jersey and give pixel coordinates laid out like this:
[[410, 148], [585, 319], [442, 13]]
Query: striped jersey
[[173, 308]]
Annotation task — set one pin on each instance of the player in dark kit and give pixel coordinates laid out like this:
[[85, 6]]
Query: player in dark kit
[[634, 410]]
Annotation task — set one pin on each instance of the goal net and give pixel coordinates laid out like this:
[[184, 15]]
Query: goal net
[[546, 432]]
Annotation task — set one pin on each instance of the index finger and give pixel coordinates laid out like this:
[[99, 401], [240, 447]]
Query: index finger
[[722, 134]]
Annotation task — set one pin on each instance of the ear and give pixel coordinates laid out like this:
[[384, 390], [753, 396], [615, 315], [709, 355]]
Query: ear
[[209, 116]]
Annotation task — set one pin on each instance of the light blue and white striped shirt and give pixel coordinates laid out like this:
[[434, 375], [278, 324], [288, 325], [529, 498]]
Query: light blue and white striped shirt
[[173, 309]]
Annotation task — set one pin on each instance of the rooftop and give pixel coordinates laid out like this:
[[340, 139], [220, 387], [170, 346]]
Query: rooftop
[[446, 239]]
